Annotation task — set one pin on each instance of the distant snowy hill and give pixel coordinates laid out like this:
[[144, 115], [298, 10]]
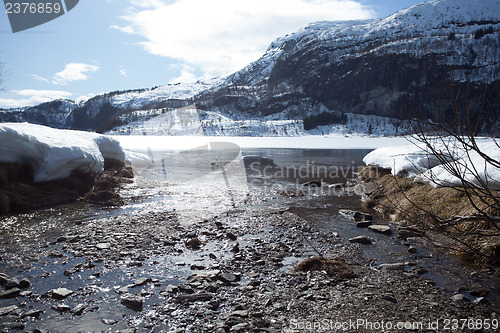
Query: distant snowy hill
[[345, 77]]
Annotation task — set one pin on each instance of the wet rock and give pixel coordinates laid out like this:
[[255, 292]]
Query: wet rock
[[78, 310], [24, 284], [108, 321], [128, 330], [361, 240], [355, 215], [228, 278], [479, 292], [32, 313], [133, 302], [12, 283], [412, 249], [406, 233], [12, 326], [193, 244], [393, 267], [480, 300], [459, 298], [3, 279], [11, 293], [200, 297], [313, 183], [363, 224], [231, 236], [8, 309], [382, 229], [55, 254], [197, 267], [141, 282], [241, 313], [61, 293], [240, 327], [389, 297], [103, 246], [62, 308]]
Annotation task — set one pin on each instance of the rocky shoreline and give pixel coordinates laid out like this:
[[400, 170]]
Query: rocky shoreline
[[19, 193], [243, 271]]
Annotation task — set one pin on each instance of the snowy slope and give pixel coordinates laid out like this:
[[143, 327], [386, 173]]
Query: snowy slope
[[367, 70]]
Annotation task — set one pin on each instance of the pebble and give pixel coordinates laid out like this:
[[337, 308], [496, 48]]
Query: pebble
[[8, 309], [382, 229], [200, 297], [412, 249], [11, 293], [141, 282], [103, 246], [459, 298], [361, 240], [133, 302], [390, 298], [393, 267], [78, 310], [62, 308], [61, 293], [32, 313]]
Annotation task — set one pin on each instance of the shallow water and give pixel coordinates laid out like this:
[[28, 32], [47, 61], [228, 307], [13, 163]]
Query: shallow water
[[199, 184]]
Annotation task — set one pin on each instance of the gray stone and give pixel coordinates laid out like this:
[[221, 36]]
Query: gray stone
[[24, 283], [61, 293], [200, 297], [12, 283], [8, 309], [12, 326], [393, 267], [78, 310], [405, 233], [133, 302], [361, 240], [412, 249], [103, 246], [62, 308], [32, 313], [228, 277], [480, 300], [241, 313], [141, 282], [11, 293], [383, 229], [390, 298], [363, 224], [459, 298]]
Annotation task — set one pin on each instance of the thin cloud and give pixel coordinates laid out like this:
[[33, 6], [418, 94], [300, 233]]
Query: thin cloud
[[123, 72], [31, 97], [73, 72], [186, 75], [221, 36], [39, 78]]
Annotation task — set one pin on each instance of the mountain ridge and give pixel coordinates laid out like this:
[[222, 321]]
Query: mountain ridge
[[389, 68]]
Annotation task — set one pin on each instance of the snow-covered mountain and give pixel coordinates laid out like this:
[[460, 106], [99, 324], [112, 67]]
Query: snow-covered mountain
[[353, 76]]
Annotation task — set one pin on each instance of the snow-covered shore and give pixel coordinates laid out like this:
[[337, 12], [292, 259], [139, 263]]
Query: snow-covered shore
[[417, 162], [52, 154]]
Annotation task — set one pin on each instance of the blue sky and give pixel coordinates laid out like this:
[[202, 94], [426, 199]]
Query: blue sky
[[108, 45]]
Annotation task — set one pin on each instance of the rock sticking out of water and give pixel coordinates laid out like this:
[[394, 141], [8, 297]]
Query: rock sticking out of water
[[382, 229], [61, 293], [361, 240], [133, 302]]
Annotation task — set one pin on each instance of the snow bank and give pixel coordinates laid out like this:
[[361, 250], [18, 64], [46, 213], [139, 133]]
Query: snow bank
[[53, 154], [416, 162]]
